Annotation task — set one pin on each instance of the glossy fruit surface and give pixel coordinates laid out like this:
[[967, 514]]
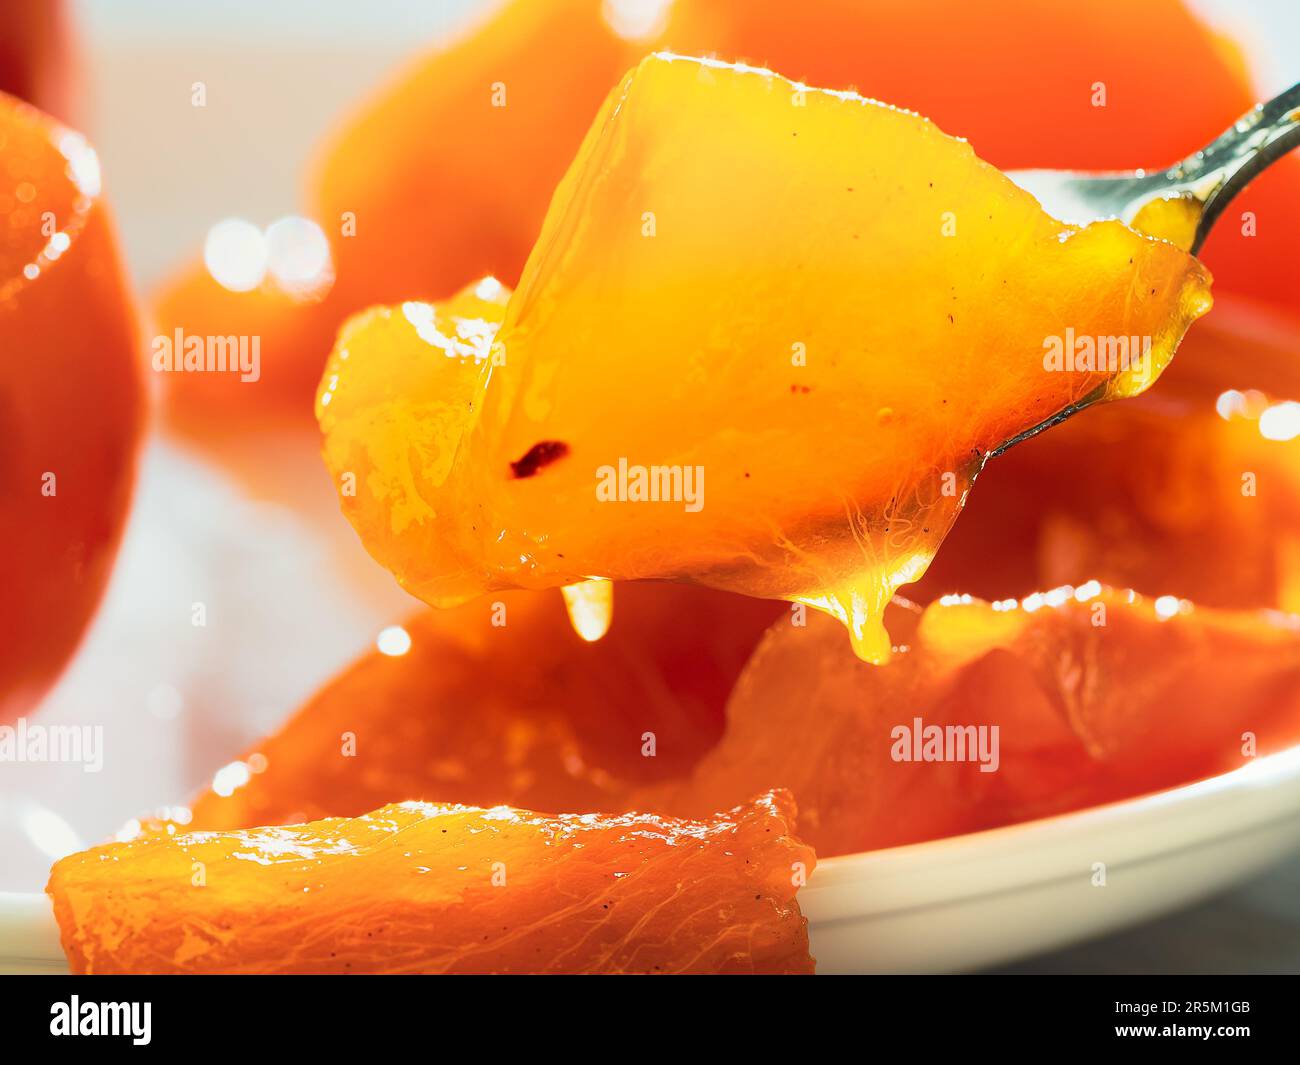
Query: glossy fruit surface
[[1095, 696], [835, 375], [1193, 489], [501, 702], [419, 888], [71, 398], [1025, 100], [414, 216]]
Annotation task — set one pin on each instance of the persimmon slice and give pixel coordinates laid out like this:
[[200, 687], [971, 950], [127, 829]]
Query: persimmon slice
[[766, 340], [1096, 695], [1192, 490], [420, 888], [498, 702]]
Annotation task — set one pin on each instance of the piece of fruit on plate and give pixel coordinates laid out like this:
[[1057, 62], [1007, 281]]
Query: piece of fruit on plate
[[71, 398], [421, 888], [999, 713], [1192, 489], [767, 338], [501, 702]]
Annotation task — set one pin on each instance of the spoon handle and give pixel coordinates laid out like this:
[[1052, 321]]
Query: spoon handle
[[1206, 181], [1223, 168]]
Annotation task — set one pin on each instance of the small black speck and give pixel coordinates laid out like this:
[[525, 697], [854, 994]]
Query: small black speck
[[539, 456]]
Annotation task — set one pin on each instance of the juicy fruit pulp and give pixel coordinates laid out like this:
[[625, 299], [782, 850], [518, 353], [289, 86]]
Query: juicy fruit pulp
[[1026, 101], [419, 888], [501, 703], [71, 398], [831, 377], [1096, 695], [383, 185]]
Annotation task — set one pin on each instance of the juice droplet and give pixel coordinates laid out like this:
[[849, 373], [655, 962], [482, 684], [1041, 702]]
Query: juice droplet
[[870, 641], [861, 607], [591, 607]]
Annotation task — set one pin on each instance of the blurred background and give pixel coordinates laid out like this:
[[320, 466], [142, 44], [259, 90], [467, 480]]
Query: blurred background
[[293, 603]]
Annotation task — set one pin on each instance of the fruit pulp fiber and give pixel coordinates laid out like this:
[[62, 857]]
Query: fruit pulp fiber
[[999, 713], [423, 888]]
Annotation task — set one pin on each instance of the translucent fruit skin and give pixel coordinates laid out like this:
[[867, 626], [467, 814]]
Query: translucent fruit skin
[[837, 374], [1089, 711], [396, 395], [501, 702], [419, 888], [71, 399]]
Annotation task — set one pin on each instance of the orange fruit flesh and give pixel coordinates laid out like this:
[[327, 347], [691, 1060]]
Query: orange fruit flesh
[[499, 702], [71, 394], [1024, 100], [1192, 490], [839, 373], [419, 888], [382, 185], [1095, 698]]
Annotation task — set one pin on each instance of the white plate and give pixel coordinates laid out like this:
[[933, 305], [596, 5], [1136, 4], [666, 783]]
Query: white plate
[[983, 899]]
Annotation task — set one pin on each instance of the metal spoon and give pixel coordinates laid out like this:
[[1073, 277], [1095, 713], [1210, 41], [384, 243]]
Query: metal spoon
[[1207, 180]]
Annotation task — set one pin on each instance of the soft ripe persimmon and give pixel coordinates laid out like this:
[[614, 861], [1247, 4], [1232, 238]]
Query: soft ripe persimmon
[[501, 702], [1192, 489], [838, 372], [1034, 83], [420, 888], [417, 216], [71, 398], [1096, 695]]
